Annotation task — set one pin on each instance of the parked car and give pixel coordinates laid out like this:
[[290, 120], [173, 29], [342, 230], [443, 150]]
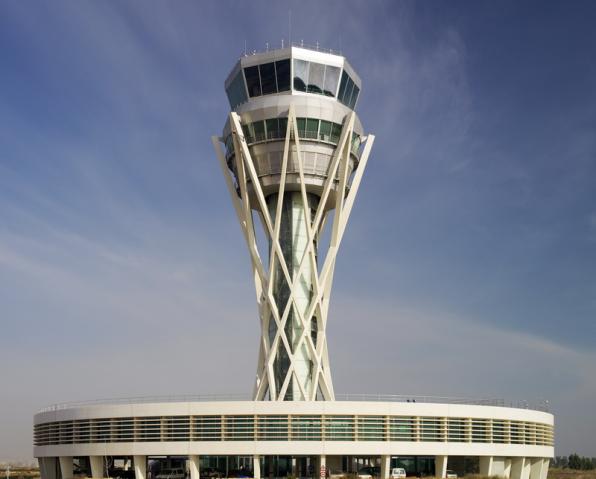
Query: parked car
[[451, 474], [398, 473], [369, 472], [210, 472], [177, 473]]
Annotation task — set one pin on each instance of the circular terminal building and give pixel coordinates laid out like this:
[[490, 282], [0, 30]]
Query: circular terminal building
[[293, 153]]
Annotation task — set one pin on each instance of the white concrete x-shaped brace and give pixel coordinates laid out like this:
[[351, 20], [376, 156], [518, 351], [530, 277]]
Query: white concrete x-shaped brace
[[337, 178]]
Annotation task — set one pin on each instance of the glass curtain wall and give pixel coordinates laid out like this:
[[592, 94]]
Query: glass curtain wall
[[294, 241]]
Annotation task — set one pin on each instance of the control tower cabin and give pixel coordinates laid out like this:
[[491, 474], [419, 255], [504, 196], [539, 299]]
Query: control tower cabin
[[295, 152]]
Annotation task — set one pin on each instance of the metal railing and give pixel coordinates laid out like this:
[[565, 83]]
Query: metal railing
[[498, 402], [283, 45]]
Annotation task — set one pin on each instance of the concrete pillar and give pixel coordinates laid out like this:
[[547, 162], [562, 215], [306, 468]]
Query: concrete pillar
[[486, 465], [441, 466], [517, 467], [526, 469], [322, 466], [194, 466], [507, 468], [96, 463], [385, 467], [66, 467], [545, 465], [140, 463], [256, 467], [536, 468], [48, 467]]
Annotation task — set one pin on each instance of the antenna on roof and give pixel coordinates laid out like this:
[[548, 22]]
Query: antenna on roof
[[244, 47], [290, 28]]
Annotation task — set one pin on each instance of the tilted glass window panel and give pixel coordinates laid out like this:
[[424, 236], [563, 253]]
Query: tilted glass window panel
[[348, 93], [331, 79], [272, 126], [283, 126], [335, 132], [342, 86], [259, 130], [312, 128], [282, 69], [300, 74], [236, 91], [268, 84], [325, 130], [253, 82], [355, 92], [301, 124], [316, 78]]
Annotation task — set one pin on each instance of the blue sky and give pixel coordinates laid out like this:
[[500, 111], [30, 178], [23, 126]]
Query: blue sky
[[469, 264]]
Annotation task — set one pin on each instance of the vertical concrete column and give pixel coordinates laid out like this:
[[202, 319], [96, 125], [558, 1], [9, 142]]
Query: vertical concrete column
[[486, 465], [536, 468], [256, 466], [517, 467], [194, 466], [526, 469], [47, 467], [385, 466], [322, 464], [140, 467], [96, 466], [507, 468], [66, 467], [545, 465], [441, 466]]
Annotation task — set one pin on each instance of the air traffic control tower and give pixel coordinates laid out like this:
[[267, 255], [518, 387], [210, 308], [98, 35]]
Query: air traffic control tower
[[293, 153]]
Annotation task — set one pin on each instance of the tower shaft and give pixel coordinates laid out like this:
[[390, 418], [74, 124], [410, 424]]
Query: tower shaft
[[293, 287]]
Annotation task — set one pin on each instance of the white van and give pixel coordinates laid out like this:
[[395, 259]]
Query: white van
[[398, 473]]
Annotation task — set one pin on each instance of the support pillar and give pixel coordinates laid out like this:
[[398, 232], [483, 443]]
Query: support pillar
[[66, 467], [545, 465], [527, 468], [385, 466], [536, 468], [194, 466], [322, 466], [486, 465], [507, 468], [96, 463], [140, 463], [48, 467], [441, 466], [517, 467], [256, 467]]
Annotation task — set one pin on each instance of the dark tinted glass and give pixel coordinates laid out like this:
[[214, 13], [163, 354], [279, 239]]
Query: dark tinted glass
[[325, 130], [283, 75], [252, 81], [283, 125], [354, 97], [342, 86], [335, 132], [272, 128], [259, 130], [268, 78], [312, 128], [236, 92], [301, 123]]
